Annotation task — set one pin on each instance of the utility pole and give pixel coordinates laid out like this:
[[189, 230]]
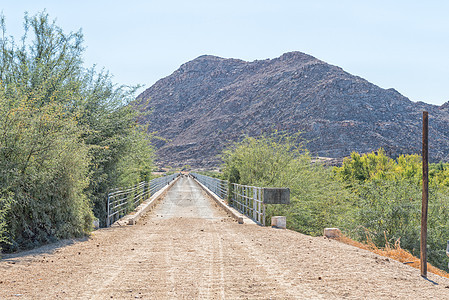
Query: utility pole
[[425, 191]]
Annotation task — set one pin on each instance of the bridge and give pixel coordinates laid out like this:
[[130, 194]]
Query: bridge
[[186, 245]]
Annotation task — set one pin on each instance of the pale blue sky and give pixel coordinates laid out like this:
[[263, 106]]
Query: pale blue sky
[[398, 44]]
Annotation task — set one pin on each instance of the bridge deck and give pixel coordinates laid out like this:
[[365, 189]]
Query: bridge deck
[[189, 249], [187, 200]]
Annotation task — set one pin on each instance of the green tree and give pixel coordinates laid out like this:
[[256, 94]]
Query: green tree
[[317, 200], [119, 147], [44, 166], [67, 134], [377, 165], [365, 167], [388, 201], [4, 209]]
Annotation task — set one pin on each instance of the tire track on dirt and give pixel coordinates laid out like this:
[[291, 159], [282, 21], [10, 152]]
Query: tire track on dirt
[[272, 272], [190, 249]]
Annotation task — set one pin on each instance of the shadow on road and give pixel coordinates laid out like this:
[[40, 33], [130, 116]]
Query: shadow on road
[[43, 250]]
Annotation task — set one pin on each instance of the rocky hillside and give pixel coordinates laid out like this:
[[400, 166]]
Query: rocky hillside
[[210, 102]]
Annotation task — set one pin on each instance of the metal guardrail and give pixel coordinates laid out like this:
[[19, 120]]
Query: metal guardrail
[[122, 201], [249, 201], [246, 199], [218, 186]]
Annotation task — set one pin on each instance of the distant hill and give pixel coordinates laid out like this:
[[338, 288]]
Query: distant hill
[[211, 101]]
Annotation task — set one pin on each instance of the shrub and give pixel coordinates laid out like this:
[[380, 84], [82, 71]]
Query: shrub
[[280, 161], [44, 166], [67, 134], [371, 196], [388, 208], [4, 209]]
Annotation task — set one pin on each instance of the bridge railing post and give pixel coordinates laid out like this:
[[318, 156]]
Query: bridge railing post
[[108, 214], [255, 214]]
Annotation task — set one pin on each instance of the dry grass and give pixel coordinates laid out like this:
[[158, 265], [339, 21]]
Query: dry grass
[[394, 252]]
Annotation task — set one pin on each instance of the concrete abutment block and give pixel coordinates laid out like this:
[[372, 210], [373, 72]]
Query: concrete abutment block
[[332, 233], [279, 222]]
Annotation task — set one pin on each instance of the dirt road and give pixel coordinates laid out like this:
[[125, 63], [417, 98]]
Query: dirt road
[[187, 248]]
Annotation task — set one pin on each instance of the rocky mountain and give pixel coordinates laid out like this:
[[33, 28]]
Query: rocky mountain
[[210, 102]]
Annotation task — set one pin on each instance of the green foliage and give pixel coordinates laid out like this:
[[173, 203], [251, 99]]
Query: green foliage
[[376, 165], [214, 174], [390, 210], [119, 148], [387, 209], [371, 195], [263, 160], [439, 174], [5, 205], [67, 134], [389, 201], [280, 161], [438, 226], [44, 165], [365, 167]]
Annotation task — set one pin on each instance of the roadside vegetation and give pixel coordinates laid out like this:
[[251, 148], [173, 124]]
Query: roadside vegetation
[[371, 197], [67, 134]]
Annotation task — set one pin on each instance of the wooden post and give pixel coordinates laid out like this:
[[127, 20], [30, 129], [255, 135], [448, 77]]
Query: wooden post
[[425, 191]]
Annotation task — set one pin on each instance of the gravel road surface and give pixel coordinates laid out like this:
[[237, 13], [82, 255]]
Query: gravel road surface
[[187, 248]]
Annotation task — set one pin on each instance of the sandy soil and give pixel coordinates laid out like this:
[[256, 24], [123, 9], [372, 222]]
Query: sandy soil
[[187, 248]]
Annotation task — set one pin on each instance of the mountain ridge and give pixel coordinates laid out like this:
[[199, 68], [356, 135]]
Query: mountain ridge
[[210, 102]]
